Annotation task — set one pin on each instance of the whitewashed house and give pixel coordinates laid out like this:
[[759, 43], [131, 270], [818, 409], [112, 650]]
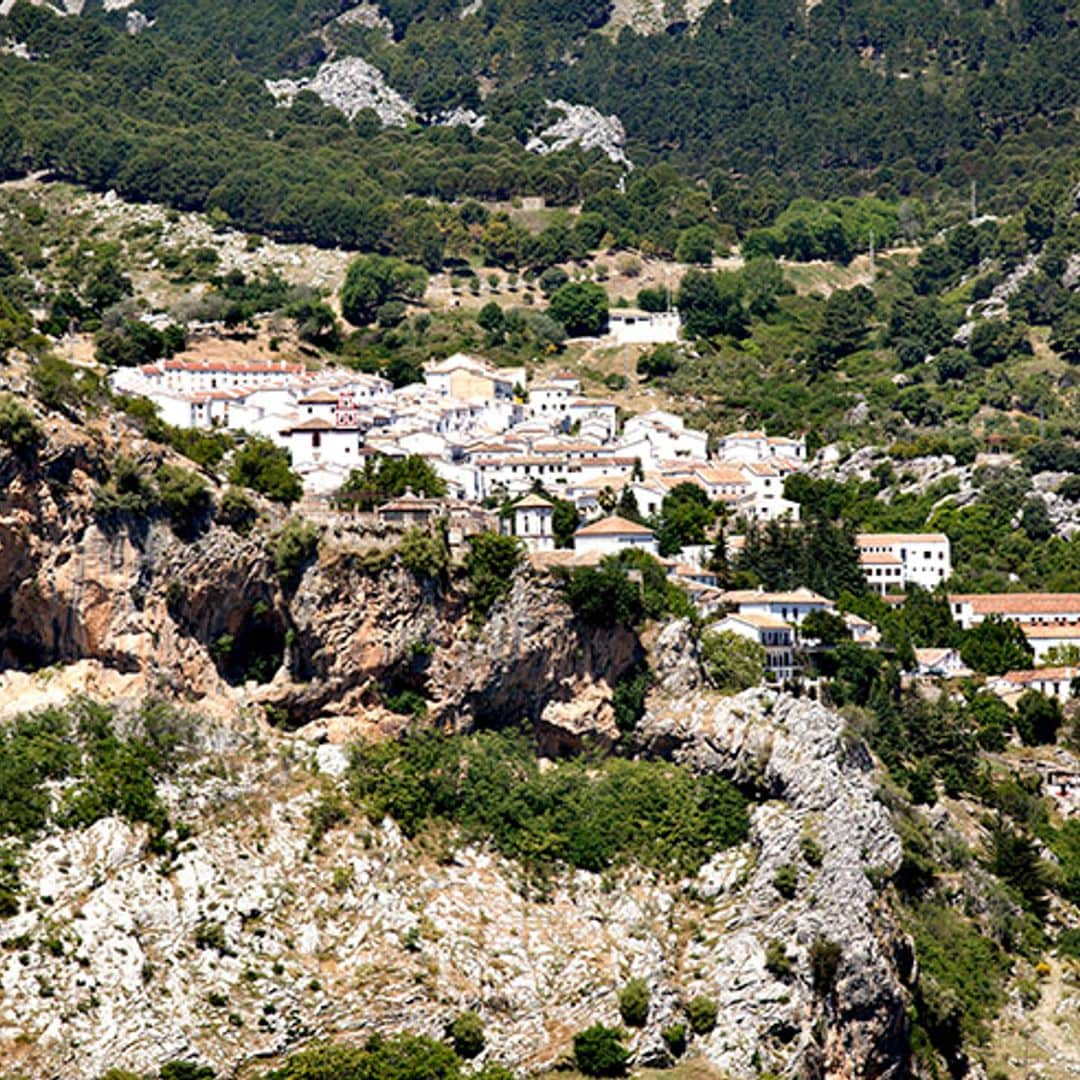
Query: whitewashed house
[[748, 446], [773, 634], [551, 401], [658, 436], [533, 522], [1046, 608], [1052, 638], [593, 418], [924, 558], [317, 442], [940, 663], [612, 535], [631, 326], [1053, 682], [791, 607]]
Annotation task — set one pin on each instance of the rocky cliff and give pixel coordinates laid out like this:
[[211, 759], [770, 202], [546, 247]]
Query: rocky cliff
[[241, 940], [206, 616], [110, 962]]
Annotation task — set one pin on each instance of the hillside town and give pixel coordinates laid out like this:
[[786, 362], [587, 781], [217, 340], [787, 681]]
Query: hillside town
[[495, 437]]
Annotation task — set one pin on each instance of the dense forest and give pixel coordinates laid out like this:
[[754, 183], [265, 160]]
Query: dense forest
[[727, 121]]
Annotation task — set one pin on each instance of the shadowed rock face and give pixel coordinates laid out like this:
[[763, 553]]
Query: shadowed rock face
[[207, 616]]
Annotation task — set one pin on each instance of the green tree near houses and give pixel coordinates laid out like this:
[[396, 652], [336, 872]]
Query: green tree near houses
[[581, 307]]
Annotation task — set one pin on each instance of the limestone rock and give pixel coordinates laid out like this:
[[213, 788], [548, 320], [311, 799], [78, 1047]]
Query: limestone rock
[[349, 85], [675, 659], [370, 934], [584, 126]]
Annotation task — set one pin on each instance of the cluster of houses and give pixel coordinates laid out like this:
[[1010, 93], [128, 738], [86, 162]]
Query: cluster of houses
[[489, 432], [493, 435], [1051, 624]]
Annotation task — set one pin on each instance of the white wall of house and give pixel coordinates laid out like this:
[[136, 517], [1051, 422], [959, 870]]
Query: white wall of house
[[778, 643], [628, 326], [535, 526], [330, 448], [613, 544], [925, 559]]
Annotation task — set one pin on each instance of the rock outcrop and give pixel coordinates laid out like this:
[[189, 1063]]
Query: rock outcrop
[[584, 126], [349, 85], [203, 616], [819, 808], [372, 932]]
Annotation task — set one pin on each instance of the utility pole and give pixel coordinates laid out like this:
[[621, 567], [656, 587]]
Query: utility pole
[[872, 271], [974, 189]]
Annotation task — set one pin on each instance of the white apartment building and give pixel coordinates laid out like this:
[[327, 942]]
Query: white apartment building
[[884, 572], [1025, 608], [195, 376], [773, 634], [923, 558]]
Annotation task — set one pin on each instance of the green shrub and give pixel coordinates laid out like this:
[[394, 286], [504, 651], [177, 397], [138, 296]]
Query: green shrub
[[18, 429], [467, 1035], [589, 814], [811, 850], [403, 1057], [786, 881], [1068, 943], [604, 595], [825, 959], [777, 961], [292, 549], [127, 493], [1038, 718], [675, 1039], [407, 703], [9, 883], [702, 1013], [237, 511], [424, 553], [490, 565], [599, 1051], [185, 1070], [184, 496], [732, 662], [962, 974], [210, 935], [634, 1003], [328, 811], [63, 387], [265, 468], [628, 699]]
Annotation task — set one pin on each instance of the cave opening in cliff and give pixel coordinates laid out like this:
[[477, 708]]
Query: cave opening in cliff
[[255, 652]]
